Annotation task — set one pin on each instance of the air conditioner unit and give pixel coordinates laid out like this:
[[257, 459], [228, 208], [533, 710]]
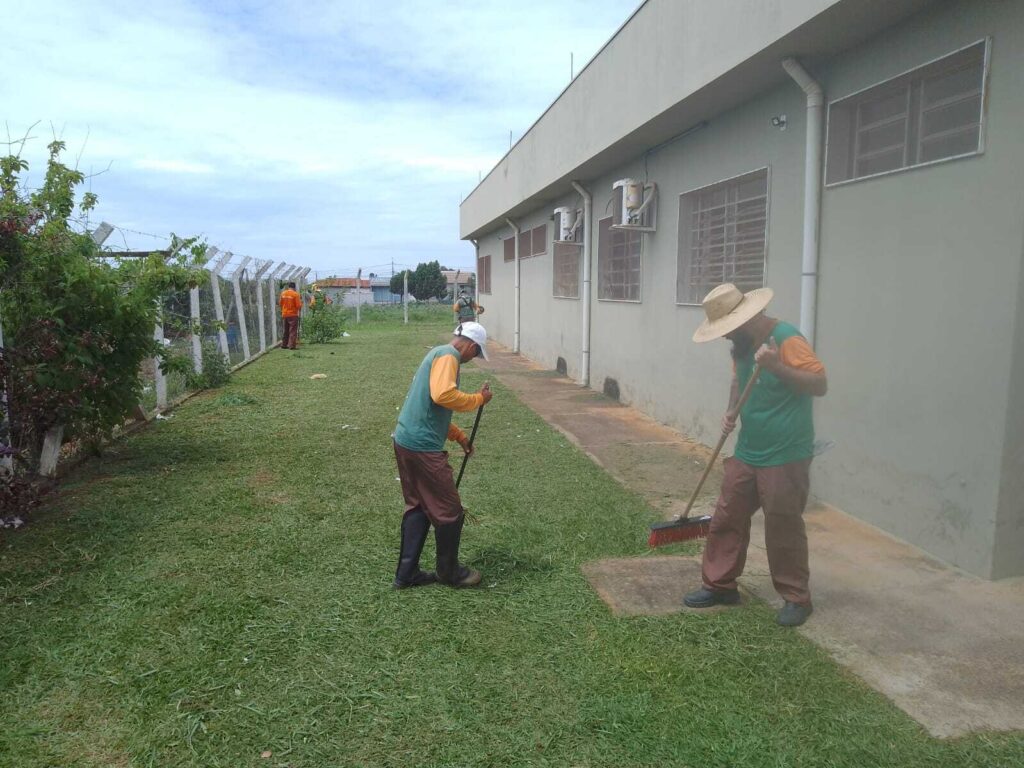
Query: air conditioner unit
[[568, 225], [634, 205]]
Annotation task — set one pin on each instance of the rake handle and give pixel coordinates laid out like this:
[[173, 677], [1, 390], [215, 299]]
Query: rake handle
[[721, 441], [472, 437]]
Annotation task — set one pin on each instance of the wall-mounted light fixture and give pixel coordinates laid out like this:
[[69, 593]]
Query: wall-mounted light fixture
[[779, 121]]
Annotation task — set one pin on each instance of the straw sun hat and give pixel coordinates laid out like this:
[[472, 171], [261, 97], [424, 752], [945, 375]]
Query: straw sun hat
[[727, 308]]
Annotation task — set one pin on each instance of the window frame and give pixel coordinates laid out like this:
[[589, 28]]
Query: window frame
[[624, 232], [480, 274], [767, 169], [554, 270], [982, 122], [544, 240]]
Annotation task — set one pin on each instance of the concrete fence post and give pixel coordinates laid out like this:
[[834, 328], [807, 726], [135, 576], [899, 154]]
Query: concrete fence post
[[261, 267], [159, 379], [236, 284], [275, 276], [218, 305]]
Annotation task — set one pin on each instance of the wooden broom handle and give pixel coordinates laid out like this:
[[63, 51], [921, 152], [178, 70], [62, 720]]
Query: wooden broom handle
[[725, 435]]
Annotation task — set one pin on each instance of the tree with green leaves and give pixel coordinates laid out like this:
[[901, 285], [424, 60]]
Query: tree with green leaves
[[77, 321], [427, 282], [398, 282]]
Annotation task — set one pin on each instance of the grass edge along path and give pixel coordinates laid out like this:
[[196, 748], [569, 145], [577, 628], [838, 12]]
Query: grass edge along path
[[217, 586]]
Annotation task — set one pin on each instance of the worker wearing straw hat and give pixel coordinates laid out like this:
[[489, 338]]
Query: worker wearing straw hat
[[770, 468]]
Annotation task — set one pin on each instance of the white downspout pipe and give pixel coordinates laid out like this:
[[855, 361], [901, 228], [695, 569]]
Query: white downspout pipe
[[588, 211], [812, 195], [476, 271], [515, 307]]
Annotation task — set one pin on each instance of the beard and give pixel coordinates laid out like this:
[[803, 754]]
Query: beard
[[742, 344]]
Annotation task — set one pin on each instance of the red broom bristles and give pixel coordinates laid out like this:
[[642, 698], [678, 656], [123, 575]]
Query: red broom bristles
[[684, 529]]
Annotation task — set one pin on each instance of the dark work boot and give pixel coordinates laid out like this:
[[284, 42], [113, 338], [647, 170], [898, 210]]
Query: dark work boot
[[415, 526], [449, 571], [793, 614], [705, 598]]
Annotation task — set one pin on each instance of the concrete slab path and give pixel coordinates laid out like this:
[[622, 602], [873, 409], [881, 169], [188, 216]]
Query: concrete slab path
[[945, 646]]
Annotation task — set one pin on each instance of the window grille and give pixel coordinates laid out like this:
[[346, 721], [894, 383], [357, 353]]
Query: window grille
[[722, 236], [619, 262], [566, 270], [932, 113]]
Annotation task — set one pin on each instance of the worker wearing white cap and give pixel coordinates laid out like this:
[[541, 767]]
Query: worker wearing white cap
[[424, 424]]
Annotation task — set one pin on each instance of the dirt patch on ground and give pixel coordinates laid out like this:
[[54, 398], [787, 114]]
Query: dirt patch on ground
[[262, 479], [645, 586]]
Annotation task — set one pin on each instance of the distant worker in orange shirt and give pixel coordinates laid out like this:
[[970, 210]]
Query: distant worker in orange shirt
[[291, 305]]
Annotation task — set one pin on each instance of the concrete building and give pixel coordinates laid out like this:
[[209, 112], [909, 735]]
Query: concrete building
[[375, 290], [896, 124], [458, 279]]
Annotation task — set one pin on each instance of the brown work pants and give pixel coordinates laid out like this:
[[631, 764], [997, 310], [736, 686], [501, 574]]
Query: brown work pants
[[428, 483], [782, 493], [291, 333]]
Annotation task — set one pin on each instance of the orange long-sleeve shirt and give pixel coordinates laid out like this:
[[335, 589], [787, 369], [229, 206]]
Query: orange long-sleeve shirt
[[445, 392], [291, 303]]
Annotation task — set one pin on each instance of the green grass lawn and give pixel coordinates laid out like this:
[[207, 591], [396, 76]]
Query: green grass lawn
[[218, 585]]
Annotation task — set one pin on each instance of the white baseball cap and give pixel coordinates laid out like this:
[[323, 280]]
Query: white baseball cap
[[475, 333]]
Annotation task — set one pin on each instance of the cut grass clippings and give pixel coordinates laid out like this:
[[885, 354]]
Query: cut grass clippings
[[217, 587]]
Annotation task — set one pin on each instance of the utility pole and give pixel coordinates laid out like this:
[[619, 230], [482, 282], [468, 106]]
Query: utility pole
[[359, 290], [405, 295]]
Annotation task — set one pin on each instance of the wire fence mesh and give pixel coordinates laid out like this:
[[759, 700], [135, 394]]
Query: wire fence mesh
[[232, 315]]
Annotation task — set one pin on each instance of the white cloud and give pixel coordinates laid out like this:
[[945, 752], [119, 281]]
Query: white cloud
[[326, 129], [172, 166]]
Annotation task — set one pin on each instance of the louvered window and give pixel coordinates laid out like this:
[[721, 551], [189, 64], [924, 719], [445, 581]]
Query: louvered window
[[933, 113], [483, 274], [532, 242], [722, 236]]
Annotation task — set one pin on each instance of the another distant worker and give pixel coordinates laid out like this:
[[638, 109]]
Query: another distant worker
[[291, 306], [465, 309]]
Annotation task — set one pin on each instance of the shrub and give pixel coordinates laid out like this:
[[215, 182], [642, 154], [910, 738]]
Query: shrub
[[216, 370], [323, 322], [78, 322]]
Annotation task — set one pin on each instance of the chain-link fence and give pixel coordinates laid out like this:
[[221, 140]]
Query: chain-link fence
[[227, 320]]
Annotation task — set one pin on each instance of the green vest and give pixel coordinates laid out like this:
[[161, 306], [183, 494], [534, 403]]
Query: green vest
[[776, 424], [422, 423], [466, 311]]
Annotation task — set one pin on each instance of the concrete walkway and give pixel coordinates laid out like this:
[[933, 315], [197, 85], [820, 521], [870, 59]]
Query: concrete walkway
[[946, 647]]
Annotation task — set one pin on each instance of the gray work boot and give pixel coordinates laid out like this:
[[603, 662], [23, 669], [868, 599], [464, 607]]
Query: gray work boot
[[705, 598], [793, 614]]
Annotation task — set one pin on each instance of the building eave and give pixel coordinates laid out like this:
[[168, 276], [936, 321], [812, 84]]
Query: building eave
[[599, 121]]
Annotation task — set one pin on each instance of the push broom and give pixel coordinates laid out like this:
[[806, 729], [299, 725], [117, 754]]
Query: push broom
[[684, 527]]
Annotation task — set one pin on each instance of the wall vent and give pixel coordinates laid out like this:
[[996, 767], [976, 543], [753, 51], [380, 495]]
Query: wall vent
[[611, 388]]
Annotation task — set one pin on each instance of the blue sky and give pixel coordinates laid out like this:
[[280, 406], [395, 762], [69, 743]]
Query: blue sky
[[332, 134]]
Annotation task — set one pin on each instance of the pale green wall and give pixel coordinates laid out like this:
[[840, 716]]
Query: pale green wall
[[917, 306], [921, 322]]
